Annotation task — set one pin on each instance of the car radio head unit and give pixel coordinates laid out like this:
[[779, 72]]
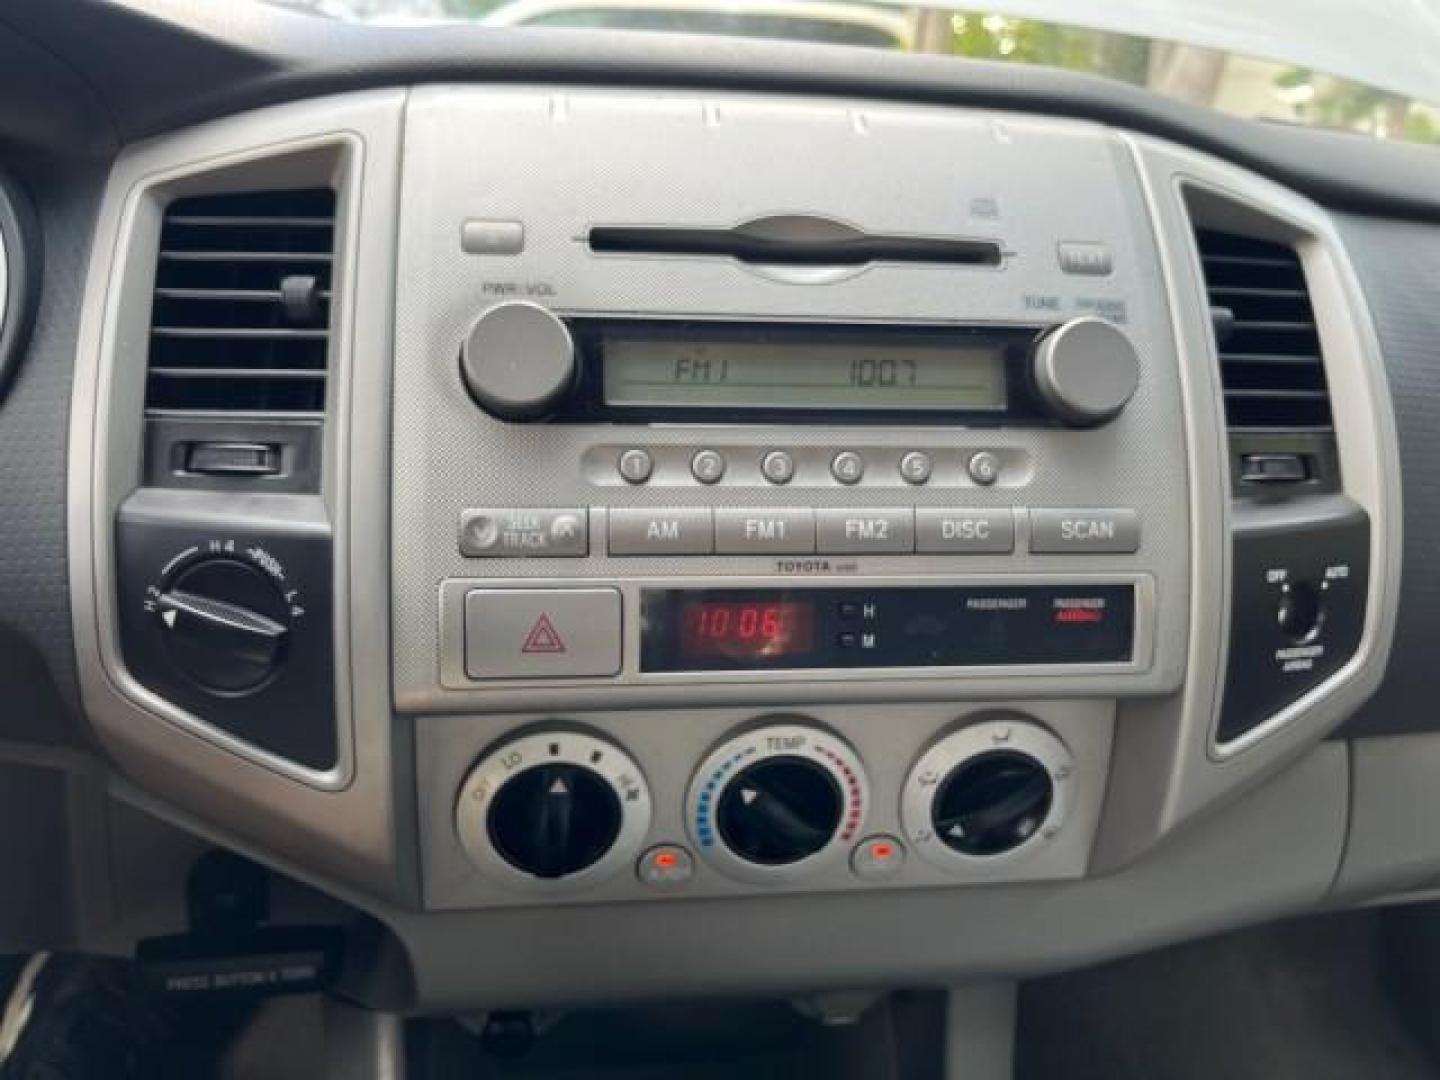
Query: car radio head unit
[[523, 362]]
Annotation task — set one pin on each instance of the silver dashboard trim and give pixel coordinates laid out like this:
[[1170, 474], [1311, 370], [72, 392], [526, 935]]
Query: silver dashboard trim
[[452, 634], [340, 821]]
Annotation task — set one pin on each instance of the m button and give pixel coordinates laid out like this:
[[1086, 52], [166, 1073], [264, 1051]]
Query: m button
[[541, 633]]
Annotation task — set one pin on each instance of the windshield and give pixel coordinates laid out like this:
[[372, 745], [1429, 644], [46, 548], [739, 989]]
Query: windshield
[[1357, 65]]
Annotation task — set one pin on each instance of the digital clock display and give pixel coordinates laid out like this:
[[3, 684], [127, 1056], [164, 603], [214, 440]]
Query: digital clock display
[[746, 630]]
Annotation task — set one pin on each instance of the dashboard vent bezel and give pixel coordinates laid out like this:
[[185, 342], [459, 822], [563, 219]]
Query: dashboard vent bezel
[[1268, 345], [242, 309]]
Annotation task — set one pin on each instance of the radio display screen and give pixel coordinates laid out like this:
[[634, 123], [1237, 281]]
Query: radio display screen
[[790, 371]]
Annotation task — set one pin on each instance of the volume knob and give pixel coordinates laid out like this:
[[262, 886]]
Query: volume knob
[[518, 360], [1086, 371]]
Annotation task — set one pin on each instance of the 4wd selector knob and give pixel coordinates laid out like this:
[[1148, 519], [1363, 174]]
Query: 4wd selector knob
[[993, 790], [553, 809], [777, 802], [1086, 371], [518, 360], [225, 623]]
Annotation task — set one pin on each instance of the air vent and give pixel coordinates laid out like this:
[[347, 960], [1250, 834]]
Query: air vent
[[241, 316], [1270, 364]]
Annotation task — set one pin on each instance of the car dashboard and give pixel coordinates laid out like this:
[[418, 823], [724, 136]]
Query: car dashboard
[[641, 523]]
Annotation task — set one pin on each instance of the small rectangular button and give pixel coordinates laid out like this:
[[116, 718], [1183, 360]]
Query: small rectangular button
[[1088, 259], [516, 533], [680, 531], [765, 532], [1088, 532], [541, 633], [1273, 469], [840, 532], [478, 237], [964, 532]]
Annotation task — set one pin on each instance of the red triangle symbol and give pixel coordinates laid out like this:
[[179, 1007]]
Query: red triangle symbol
[[543, 638]]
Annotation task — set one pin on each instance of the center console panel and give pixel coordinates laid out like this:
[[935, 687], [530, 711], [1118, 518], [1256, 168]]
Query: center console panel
[[692, 519]]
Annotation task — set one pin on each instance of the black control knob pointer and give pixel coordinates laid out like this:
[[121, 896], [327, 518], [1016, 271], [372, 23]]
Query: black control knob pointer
[[225, 624], [247, 635], [554, 820], [779, 811]]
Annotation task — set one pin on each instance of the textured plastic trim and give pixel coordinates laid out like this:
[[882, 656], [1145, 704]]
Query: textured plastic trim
[[20, 276]]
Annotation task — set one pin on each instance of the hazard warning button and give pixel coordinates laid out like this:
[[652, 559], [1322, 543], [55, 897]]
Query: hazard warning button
[[541, 633]]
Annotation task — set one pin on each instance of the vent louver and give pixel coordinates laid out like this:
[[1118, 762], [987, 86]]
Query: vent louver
[[1270, 361], [241, 315]]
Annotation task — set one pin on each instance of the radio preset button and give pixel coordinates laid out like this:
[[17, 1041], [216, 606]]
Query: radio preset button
[[707, 466], [778, 467], [1084, 532], [916, 467], [848, 467], [860, 532], [524, 533], [679, 531], [541, 633], [964, 532], [984, 468], [635, 466], [765, 532]]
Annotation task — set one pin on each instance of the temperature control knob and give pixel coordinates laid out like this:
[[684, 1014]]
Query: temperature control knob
[[777, 802], [990, 791], [553, 809], [1086, 371], [225, 624], [518, 360]]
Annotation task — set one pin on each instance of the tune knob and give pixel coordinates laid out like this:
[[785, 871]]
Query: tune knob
[[553, 809], [777, 802], [1086, 371], [518, 360], [225, 624], [990, 791]]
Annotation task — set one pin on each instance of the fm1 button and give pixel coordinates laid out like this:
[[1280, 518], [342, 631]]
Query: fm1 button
[[877, 858], [665, 866]]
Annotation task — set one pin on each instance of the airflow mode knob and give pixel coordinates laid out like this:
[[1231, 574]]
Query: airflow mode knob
[[994, 790]]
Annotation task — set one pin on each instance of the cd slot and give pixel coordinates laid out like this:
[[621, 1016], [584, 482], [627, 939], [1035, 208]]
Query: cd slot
[[794, 241]]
